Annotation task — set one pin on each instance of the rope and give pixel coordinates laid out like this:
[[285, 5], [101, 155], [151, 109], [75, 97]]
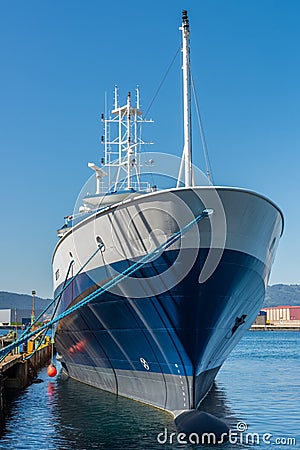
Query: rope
[[116, 280], [100, 246], [52, 316], [202, 135], [25, 335]]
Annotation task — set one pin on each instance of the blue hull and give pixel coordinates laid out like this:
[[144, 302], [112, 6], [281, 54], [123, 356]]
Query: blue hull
[[164, 350]]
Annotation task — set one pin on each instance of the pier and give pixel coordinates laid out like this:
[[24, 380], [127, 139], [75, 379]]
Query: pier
[[18, 370], [275, 328]]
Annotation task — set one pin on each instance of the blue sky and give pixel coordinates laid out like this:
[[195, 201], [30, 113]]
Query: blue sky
[[59, 57]]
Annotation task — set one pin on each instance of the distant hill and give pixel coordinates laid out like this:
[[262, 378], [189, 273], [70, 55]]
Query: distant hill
[[282, 294], [23, 304]]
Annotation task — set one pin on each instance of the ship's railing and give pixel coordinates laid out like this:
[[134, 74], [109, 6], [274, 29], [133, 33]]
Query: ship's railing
[[143, 186]]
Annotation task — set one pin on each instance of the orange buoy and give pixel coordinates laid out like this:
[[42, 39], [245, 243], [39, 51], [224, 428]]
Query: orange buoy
[[51, 370]]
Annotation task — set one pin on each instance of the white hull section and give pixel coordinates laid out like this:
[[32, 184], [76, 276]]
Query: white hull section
[[242, 221]]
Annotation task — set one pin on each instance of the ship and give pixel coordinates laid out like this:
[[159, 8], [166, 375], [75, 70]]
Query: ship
[[160, 333]]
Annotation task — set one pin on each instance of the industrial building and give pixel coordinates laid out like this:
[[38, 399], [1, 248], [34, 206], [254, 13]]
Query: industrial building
[[21, 316], [279, 315]]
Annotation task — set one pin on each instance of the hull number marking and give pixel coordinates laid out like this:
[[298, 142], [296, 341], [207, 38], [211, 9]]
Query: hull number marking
[[144, 363]]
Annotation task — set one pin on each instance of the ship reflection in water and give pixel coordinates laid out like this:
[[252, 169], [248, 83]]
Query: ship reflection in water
[[91, 418], [256, 386]]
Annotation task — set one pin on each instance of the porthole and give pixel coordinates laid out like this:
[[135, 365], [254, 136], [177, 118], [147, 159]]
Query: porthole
[[100, 243]]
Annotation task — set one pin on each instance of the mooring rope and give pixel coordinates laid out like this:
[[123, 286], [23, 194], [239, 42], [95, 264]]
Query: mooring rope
[[59, 297], [59, 294], [108, 285]]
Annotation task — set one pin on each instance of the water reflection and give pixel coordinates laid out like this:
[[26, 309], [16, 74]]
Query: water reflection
[[90, 418], [65, 414], [257, 385], [216, 404]]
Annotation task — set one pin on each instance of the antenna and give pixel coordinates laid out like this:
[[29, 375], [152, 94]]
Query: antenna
[[137, 97], [100, 173], [121, 153], [116, 95], [129, 148]]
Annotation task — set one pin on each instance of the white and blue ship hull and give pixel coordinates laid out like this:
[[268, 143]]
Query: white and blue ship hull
[[161, 336]]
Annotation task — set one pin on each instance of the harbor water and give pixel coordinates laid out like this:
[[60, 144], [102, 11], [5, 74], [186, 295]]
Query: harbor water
[[256, 392]]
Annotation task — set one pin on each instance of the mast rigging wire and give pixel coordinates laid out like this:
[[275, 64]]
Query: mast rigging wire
[[162, 81], [200, 122], [203, 140]]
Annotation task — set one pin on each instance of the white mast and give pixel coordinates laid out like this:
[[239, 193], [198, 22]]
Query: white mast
[[186, 160]]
